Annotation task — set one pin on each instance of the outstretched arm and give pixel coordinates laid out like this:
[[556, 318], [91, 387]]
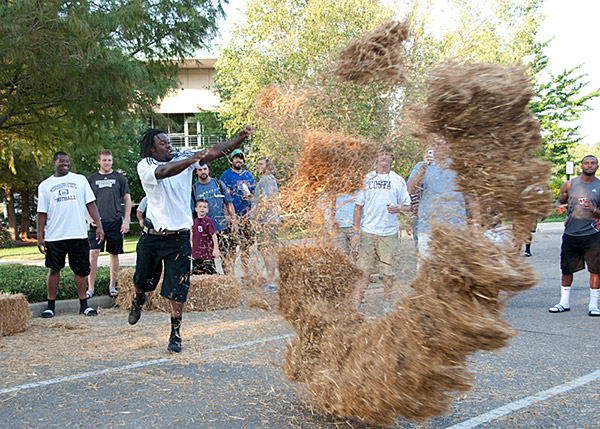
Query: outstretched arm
[[205, 155]]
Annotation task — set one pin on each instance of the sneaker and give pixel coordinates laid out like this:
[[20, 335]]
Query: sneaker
[[89, 312], [47, 314], [387, 308], [593, 312], [527, 253], [174, 343], [136, 309], [89, 294]]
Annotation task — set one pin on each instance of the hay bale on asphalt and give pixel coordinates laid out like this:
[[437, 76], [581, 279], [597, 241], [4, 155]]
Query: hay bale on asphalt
[[206, 293], [214, 292], [14, 313], [410, 362], [376, 56]]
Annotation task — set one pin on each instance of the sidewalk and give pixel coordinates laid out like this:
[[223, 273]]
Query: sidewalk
[[126, 259]]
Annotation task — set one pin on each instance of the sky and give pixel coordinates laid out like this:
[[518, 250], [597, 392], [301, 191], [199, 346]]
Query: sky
[[572, 25]]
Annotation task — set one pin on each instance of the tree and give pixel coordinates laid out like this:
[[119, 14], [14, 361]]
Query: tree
[[292, 43], [69, 68], [559, 101]]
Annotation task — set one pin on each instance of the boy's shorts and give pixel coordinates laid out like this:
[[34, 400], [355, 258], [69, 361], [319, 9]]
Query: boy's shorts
[[79, 255], [204, 266], [112, 237]]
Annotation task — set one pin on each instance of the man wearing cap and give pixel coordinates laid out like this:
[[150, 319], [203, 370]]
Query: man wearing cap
[[240, 184]]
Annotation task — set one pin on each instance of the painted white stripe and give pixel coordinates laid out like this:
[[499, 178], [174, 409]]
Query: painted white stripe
[[134, 365], [83, 375], [526, 402], [248, 343]]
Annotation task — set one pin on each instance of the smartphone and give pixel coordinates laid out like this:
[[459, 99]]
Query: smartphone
[[430, 152]]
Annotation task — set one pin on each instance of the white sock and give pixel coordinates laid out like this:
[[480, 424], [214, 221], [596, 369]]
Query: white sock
[[565, 294], [594, 293]]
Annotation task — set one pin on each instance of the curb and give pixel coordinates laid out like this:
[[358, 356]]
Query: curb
[[71, 305]]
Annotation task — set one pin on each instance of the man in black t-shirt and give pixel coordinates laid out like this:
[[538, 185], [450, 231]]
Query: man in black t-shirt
[[109, 186]]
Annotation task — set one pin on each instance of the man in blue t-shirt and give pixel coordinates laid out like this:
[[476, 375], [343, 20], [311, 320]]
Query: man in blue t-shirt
[[220, 210], [240, 184], [440, 200]]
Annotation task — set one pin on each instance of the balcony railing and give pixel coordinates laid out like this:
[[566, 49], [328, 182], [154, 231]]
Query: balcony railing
[[183, 141]]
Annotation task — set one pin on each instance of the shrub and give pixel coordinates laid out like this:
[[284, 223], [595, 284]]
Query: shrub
[[30, 280], [135, 230], [5, 241]]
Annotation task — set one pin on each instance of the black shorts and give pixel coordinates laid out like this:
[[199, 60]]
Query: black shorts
[[175, 251], [204, 266], [245, 234], [575, 250], [79, 255], [112, 237]]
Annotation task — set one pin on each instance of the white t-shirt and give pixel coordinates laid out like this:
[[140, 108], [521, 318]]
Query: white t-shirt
[[168, 198], [379, 191], [63, 199]]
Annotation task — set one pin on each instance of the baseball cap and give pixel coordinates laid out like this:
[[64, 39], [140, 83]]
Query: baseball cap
[[238, 152]]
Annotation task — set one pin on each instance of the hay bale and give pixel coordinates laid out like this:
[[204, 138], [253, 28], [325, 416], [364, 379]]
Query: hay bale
[[14, 313], [332, 163], [209, 293], [206, 293], [409, 362], [481, 110], [376, 56]]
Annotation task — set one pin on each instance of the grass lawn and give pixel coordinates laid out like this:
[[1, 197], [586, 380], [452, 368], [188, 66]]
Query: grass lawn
[[32, 252]]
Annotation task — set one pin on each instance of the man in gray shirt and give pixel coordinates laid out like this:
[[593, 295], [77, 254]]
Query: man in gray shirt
[[580, 198]]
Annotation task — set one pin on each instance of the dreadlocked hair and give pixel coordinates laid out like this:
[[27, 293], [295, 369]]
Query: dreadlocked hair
[[148, 140]]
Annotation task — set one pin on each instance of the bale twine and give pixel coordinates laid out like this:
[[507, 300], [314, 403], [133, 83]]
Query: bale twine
[[412, 361], [376, 56], [14, 313], [206, 293]]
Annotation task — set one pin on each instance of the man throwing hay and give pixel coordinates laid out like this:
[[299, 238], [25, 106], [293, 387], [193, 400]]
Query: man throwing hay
[[166, 177]]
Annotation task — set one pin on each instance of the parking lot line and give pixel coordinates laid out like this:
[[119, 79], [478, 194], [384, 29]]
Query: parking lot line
[[526, 402], [134, 365]]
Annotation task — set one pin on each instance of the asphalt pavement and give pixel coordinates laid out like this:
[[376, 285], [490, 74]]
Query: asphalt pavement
[[88, 372]]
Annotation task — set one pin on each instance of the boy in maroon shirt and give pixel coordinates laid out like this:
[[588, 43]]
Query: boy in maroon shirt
[[205, 247]]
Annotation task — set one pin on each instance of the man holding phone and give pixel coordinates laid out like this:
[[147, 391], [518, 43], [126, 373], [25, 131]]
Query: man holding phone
[[580, 198], [440, 201]]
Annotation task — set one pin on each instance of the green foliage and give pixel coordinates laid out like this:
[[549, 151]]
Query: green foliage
[[560, 100], [30, 280], [5, 241], [293, 42], [70, 72]]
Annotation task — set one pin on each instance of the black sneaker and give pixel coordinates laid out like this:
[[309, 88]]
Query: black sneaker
[[528, 253], [174, 343], [136, 309]]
